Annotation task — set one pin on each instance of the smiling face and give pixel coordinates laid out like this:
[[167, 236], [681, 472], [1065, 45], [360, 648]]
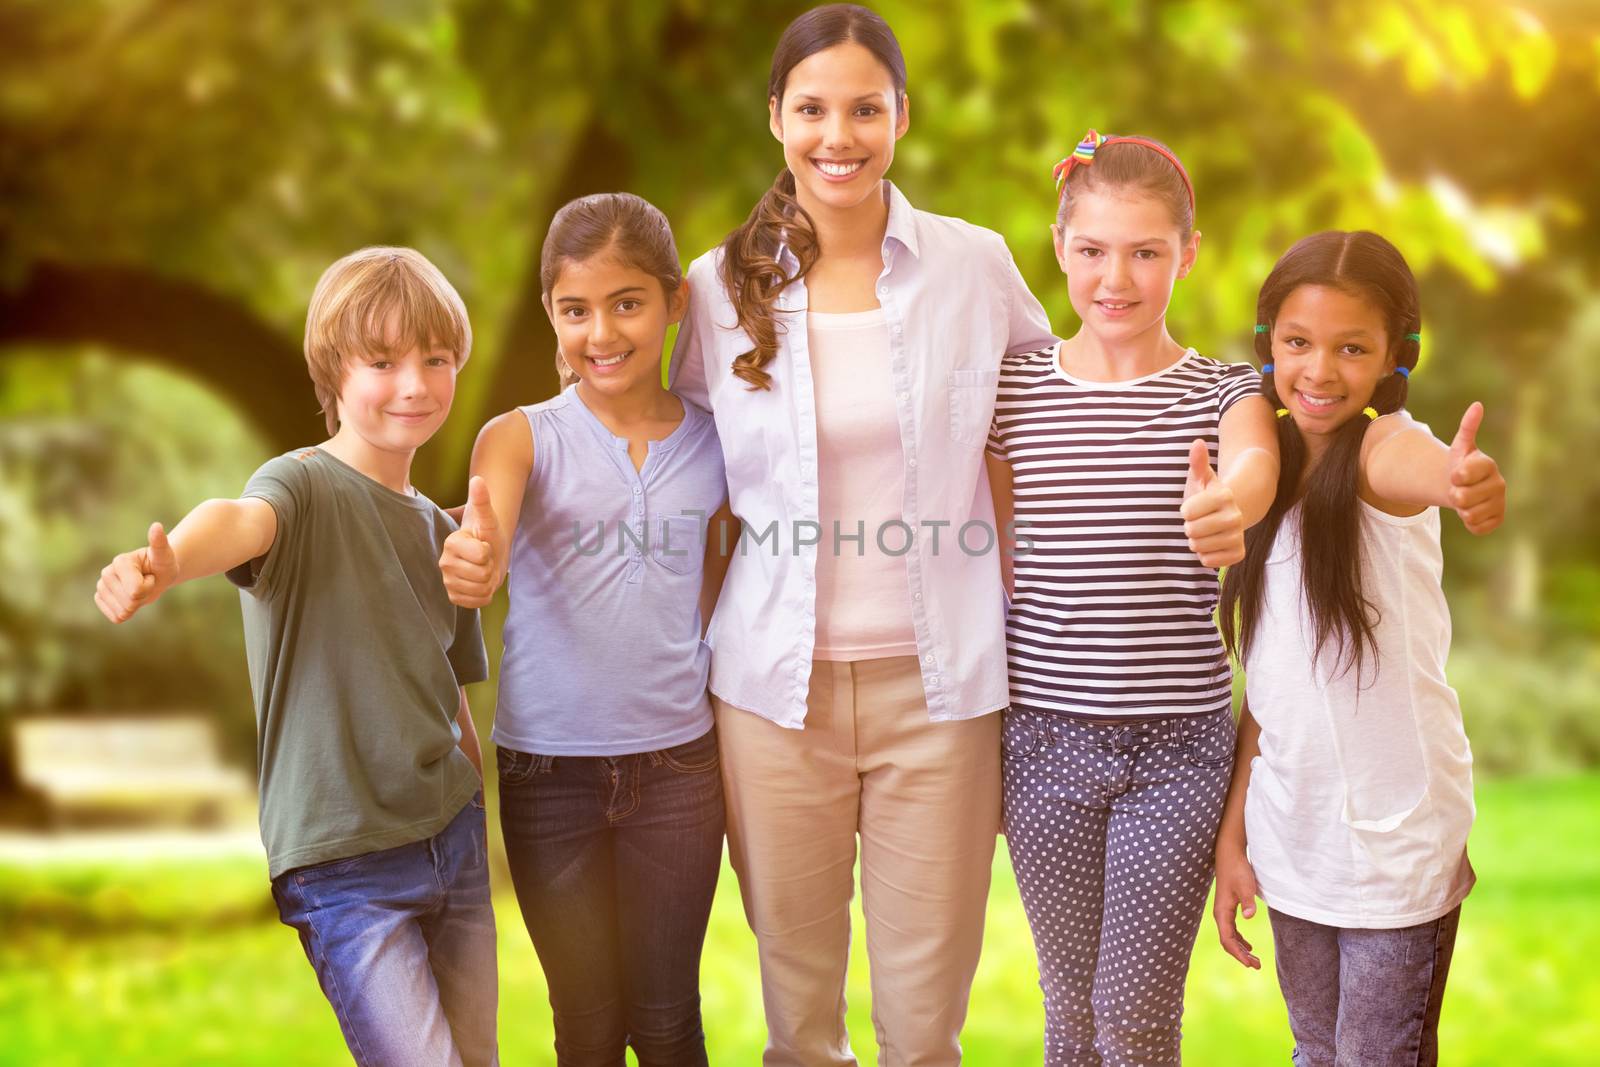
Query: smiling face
[[392, 402], [1122, 251], [1330, 350], [838, 120], [611, 322]]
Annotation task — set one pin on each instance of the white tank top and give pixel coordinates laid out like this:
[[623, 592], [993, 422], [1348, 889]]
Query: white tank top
[[1360, 802]]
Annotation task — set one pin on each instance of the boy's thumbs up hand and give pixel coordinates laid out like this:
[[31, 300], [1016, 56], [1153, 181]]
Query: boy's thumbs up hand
[[471, 573], [134, 579], [1477, 490], [1212, 522]]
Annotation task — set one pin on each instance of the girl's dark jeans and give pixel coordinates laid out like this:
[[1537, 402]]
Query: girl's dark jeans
[[615, 862]]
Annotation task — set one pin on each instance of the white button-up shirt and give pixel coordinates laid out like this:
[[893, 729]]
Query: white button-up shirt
[[955, 303]]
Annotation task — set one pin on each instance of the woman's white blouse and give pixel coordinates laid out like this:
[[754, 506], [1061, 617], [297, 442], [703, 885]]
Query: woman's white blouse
[[954, 303]]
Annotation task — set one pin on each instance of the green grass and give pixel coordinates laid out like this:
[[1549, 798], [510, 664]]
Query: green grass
[[163, 963]]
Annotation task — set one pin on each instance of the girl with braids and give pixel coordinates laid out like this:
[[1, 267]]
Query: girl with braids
[[848, 346], [1352, 788], [1119, 737]]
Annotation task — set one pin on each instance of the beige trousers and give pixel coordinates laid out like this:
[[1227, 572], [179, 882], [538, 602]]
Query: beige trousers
[[924, 798]]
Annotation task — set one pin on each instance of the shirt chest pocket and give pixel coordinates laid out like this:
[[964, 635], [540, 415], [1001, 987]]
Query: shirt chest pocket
[[675, 543], [972, 404]]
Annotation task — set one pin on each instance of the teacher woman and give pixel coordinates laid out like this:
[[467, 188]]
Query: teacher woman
[[848, 346]]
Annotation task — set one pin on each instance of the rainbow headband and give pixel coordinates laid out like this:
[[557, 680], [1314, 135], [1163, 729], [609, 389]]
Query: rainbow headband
[[1083, 156]]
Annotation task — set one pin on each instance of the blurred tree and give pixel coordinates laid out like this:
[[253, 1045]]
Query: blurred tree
[[173, 178], [76, 440]]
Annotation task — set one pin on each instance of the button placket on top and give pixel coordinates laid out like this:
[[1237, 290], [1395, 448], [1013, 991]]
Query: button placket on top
[[795, 302], [617, 449], [899, 366]]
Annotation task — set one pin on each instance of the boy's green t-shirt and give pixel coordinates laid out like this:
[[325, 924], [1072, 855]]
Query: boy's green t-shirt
[[355, 656]]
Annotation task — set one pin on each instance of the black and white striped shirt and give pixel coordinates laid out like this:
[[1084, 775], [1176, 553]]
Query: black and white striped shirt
[[1112, 613]]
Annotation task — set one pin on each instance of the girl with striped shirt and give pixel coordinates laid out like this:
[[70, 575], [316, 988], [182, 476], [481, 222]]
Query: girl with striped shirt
[[1119, 740]]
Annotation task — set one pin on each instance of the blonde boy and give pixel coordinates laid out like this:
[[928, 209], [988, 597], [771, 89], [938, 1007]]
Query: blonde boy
[[370, 773]]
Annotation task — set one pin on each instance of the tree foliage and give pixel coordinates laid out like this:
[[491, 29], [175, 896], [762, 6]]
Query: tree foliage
[[176, 175]]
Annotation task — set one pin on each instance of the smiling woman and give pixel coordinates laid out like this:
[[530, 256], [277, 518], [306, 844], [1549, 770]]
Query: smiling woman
[[848, 346]]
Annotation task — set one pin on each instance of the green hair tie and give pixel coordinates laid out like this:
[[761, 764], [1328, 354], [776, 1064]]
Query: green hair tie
[[1261, 327], [1414, 337]]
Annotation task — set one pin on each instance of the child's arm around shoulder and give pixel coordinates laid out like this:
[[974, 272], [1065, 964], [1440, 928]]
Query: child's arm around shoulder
[[216, 536], [476, 556], [1247, 455], [1002, 490], [1405, 469], [686, 366]]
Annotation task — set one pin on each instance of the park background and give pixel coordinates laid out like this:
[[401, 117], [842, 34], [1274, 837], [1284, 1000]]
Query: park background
[[174, 176]]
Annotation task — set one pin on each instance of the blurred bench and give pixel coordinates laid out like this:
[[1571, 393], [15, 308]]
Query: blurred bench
[[125, 769]]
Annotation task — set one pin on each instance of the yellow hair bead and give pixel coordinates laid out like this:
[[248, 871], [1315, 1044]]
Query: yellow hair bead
[[1370, 413], [1282, 412]]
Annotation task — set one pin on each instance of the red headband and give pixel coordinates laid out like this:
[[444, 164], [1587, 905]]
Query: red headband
[[1083, 156]]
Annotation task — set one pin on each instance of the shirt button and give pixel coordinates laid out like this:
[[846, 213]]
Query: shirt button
[[928, 659], [911, 462], [916, 596], [637, 490], [883, 290]]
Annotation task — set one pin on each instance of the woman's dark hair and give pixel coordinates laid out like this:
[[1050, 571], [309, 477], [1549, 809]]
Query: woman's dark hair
[[750, 268], [629, 228], [1366, 266]]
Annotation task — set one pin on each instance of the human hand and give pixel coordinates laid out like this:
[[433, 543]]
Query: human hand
[[1236, 890], [1212, 520], [134, 579], [1477, 489], [471, 574]]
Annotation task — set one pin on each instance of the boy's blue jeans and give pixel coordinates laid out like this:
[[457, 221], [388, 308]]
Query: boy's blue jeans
[[1363, 998], [615, 862], [403, 943]]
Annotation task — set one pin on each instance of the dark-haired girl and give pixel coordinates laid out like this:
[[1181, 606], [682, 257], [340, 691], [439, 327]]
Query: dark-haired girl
[[848, 346], [610, 798], [1352, 790]]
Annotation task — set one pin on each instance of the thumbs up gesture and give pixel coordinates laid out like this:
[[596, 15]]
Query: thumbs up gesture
[[1211, 519], [471, 573], [134, 579], [1477, 490]]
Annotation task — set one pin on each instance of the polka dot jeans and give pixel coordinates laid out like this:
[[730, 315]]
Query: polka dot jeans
[[1111, 828]]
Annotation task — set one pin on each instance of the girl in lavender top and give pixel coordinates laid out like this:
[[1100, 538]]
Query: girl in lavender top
[[610, 798]]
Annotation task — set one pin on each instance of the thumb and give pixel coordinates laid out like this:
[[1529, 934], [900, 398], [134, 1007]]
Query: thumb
[[1466, 439], [1200, 473], [1249, 908], [479, 516], [159, 557]]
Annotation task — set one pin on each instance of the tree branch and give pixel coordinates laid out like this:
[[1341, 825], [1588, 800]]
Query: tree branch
[[210, 336]]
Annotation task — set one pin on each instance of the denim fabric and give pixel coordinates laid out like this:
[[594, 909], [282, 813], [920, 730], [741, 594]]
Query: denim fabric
[[403, 944], [615, 861], [1364, 998], [1112, 828]]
